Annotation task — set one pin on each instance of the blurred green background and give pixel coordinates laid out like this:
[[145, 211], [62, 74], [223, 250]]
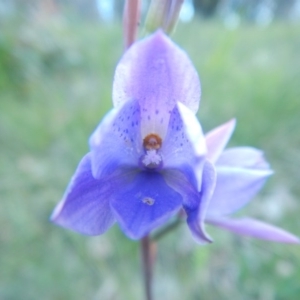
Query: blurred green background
[[55, 85]]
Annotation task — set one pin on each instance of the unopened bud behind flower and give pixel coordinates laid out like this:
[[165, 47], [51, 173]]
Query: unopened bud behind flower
[[163, 14]]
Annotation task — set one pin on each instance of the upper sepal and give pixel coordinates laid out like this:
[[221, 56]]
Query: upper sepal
[[159, 74]]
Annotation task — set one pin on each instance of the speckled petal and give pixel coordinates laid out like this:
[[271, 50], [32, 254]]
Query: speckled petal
[[217, 139], [116, 142], [144, 204], [85, 205], [254, 228], [158, 74], [184, 146]]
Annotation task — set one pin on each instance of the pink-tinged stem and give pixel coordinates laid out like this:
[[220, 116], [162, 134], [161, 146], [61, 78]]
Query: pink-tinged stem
[[148, 250], [131, 17]]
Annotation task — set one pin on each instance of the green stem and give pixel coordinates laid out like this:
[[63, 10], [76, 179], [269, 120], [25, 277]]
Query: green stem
[[148, 250], [171, 226]]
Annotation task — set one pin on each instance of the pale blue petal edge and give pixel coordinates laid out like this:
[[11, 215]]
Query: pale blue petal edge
[[217, 139], [254, 228]]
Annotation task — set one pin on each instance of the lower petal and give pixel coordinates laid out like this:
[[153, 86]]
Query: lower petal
[[256, 229], [85, 206], [144, 204]]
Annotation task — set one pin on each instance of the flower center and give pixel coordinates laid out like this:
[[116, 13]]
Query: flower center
[[152, 159], [152, 141]]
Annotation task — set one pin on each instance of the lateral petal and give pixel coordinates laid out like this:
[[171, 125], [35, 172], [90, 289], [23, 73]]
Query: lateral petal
[[256, 229], [157, 73], [184, 146], [85, 205], [116, 143], [144, 204]]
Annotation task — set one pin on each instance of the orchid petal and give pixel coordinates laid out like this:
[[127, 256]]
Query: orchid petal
[[116, 142], [193, 130], [235, 187], [256, 229], [184, 146], [85, 206], [246, 157], [217, 139], [183, 181], [158, 74], [196, 217], [144, 204]]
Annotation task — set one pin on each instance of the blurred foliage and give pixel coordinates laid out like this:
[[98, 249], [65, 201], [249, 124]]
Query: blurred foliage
[[248, 9], [62, 71], [30, 50]]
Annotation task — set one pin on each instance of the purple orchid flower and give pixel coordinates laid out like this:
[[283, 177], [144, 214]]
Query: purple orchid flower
[[241, 172], [147, 157]]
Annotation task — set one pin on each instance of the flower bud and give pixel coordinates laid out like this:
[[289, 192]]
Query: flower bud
[[163, 14]]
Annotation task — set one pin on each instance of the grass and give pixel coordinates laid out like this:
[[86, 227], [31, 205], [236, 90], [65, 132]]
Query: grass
[[57, 89]]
